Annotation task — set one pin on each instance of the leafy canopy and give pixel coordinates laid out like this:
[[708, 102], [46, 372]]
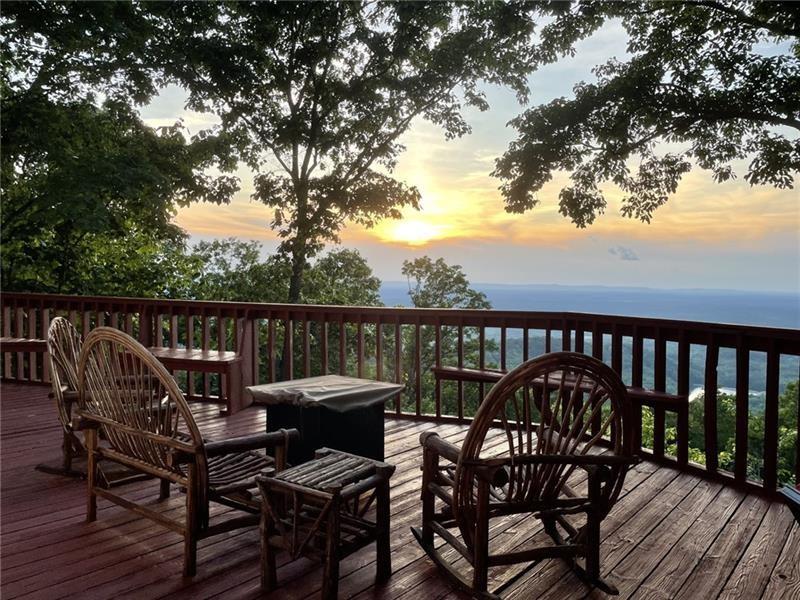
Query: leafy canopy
[[79, 168], [318, 94], [711, 82]]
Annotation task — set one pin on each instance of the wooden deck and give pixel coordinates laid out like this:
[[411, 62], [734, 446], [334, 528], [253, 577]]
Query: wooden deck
[[671, 535]]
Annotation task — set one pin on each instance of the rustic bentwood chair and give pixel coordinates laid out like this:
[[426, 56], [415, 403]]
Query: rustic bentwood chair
[[63, 347], [556, 412], [128, 395]]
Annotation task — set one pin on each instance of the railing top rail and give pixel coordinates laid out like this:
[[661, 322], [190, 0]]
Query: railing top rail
[[467, 317]]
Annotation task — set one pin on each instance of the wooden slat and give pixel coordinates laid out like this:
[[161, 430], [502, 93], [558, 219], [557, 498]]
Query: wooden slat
[[437, 350], [659, 384], [398, 376], [206, 345], [460, 384], [742, 409], [684, 366], [324, 346], [271, 349], [379, 350], [503, 334], [360, 349], [45, 327], [710, 405], [288, 350], [190, 345], [342, 347], [33, 357], [306, 348], [417, 369]]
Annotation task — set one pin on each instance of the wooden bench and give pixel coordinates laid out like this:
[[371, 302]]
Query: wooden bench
[[640, 397], [12, 344], [235, 368]]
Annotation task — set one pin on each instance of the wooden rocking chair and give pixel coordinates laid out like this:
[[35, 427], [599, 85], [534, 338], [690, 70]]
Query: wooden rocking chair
[[63, 347], [128, 395], [555, 410]]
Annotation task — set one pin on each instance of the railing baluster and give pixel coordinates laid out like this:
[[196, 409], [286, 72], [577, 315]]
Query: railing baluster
[[566, 334], [460, 393], [616, 349], [288, 348], [206, 341], [482, 358], [360, 348], [398, 376], [45, 325], [306, 347], [771, 406], [189, 345], [271, 354], [32, 356], [173, 330], [19, 331], [578, 337], [684, 367], [437, 389], [222, 346], [417, 369], [379, 350], [742, 407], [159, 341], [659, 384], [324, 344], [547, 339], [597, 341], [710, 404], [502, 348], [342, 346]]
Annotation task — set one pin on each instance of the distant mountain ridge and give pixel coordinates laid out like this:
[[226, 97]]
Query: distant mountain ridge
[[768, 308]]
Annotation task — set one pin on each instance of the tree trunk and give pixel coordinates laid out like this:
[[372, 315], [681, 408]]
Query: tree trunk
[[296, 278]]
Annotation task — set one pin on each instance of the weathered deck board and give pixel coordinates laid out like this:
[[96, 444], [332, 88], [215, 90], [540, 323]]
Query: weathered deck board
[[670, 535]]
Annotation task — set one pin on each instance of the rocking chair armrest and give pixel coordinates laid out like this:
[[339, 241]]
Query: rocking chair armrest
[[430, 440], [251, 442], [581, 460]]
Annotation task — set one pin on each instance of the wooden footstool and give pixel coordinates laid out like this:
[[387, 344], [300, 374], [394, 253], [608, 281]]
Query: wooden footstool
[[317, 509]]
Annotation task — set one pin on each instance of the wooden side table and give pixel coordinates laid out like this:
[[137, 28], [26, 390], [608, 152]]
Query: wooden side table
[[318, 510]]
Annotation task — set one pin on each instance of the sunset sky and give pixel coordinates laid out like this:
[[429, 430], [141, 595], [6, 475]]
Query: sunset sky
[[707, 236]]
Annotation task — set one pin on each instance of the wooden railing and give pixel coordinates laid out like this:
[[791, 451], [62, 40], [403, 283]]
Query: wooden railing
[[402, 344]]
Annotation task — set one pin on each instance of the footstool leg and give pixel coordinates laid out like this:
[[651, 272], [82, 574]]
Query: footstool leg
[[330, 577], [383, 551], [269, 575]]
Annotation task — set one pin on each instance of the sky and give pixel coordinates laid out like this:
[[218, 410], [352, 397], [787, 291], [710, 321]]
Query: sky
[[708, 235]]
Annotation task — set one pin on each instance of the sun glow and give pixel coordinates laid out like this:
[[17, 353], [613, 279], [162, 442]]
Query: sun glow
[[414, 232]]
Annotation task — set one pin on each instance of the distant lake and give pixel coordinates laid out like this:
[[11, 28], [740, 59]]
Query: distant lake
[[772, 309]]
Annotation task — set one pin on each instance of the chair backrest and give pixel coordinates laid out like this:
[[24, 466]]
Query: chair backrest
[[63, 348], [142, 411], [561, 403]]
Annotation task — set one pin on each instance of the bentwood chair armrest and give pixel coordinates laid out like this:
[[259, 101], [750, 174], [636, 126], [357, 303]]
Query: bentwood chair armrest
[[82, 423], [467, 374], [581, 460], [251, 442], [430, 440]]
